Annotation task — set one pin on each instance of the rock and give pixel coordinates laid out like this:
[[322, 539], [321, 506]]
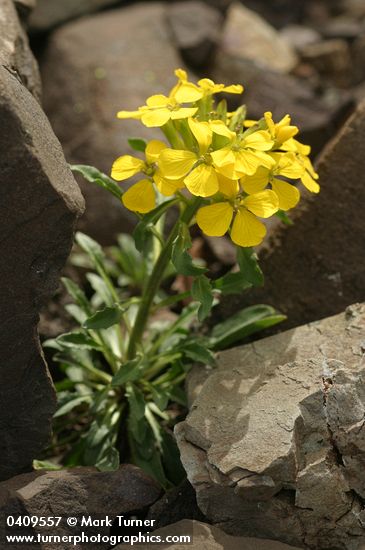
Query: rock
[[317, 117], [274, 443], [195, 28], [247, 36], [90, 72], [76, 492], [15, 53], [279, 12], [39, 205], [342, 27], [177, 504], [355, 8], [300, 36], [332, 59], [51, 13], [205, 537], [24, 7], [326, 238], [358, 59]]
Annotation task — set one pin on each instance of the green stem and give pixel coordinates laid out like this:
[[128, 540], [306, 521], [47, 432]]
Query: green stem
[[155, 279]]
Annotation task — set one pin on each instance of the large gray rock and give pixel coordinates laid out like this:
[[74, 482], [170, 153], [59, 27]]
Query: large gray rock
[[15, 53], [205, 537], [316, 267], [79, 492], [274, 443], [92, 69], [246, 35], [196, 30], [39, 205], [50, 13]]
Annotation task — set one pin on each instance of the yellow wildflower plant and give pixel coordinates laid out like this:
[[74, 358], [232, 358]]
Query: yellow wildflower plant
[[237, 170]]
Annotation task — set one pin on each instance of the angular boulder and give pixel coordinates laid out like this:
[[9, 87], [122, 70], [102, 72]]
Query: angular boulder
[[92, 69], [79, 492], [204, 537], [274, 443], [51, 13], [39, 206], [248, 36], [15, 53]]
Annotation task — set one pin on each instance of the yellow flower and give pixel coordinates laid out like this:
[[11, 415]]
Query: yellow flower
[[140, 197], [186, 92], [281, 131], [301, 153], [244, 154], [285, 166], [158, 110], [195, 169], [215, 219], [127, 166]]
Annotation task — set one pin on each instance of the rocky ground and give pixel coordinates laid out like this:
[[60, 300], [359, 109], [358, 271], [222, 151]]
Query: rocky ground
[[273, 445]]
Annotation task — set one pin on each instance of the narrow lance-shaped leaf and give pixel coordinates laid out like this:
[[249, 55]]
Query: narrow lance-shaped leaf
[[250, 269], [137, 144], [180, 257], [201, 291], [104, 318], [93, 175]]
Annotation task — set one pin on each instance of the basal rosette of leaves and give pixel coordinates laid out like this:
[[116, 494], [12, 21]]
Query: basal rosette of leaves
[[123, 369]]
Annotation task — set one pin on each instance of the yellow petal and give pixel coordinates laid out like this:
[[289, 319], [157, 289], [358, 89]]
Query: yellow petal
[[263, 204], [187, 92], [221, 129], [223, 156], [156, 118], [165, 186], [233, 89], [202, 181], [183, 112], [125, 167], [310, 183], [157, 100], [289, 167], [260, 140], [247, 230], [257, 182], [153, 150], [202, 133], [176, 164], [214, 220], [228, 187], [129, 114], [288, 194], [247, 162], [140, 197], [181, 74]]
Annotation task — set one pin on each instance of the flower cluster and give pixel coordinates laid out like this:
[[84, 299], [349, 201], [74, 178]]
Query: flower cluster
[[243, 169]]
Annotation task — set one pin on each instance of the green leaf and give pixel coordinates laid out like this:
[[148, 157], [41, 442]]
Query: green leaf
[[110, 460], [77, 294], [160, 397], [78, 340], [283, 216], [129, 372], [94, 175], [232, 283], [201, 291], [91, 247], [138, 144], [180, 257], [71, 404], [136, 420], [199, 353], [250, 269], [143, 229], [105, 318], [45, 465], [248, 321]]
